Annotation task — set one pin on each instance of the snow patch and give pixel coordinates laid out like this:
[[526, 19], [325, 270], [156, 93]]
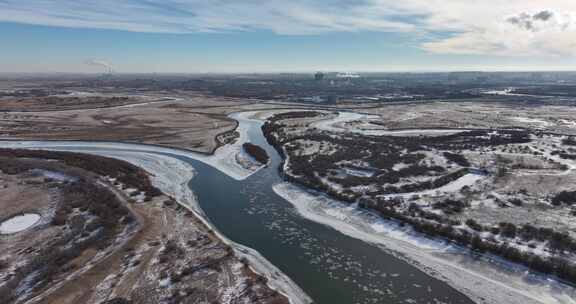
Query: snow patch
[[19, 223], [339, 124], [534, 121]]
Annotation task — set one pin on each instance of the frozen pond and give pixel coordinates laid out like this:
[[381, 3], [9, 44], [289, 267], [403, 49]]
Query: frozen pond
[[19, 223]]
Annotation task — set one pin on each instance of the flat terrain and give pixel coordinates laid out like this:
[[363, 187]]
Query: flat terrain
[[544, 116], [182, 120]]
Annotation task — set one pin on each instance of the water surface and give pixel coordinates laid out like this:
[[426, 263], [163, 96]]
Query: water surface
[[329, 266]]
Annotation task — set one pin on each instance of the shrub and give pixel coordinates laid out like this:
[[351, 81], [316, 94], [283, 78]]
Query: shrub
[[564, 197], [569, 141], [474, 225], [508, 230], [516, 202], [457, 158], [257, 152]]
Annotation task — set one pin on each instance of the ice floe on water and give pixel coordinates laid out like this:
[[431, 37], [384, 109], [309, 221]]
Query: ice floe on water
[[19, 223]]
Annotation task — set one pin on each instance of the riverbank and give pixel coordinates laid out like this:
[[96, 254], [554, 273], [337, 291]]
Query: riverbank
[[102, 233], [486, 279], [171, 176]]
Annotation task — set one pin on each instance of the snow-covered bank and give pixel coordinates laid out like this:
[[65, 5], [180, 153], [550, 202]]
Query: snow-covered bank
[[172, 176], [223, 159], [485, 280]]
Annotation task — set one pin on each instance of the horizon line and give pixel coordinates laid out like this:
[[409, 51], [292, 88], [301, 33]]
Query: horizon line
[[298, 72]]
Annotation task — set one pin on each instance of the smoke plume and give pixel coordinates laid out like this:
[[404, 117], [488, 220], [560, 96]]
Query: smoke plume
[[100, 63]]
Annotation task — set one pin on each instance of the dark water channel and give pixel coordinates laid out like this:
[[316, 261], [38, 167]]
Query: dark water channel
[[329, 266]]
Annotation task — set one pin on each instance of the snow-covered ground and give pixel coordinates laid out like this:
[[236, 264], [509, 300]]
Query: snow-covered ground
[[358, 172], [469, 179], [487, 280], [54, 175], [532, 121], [569, 123], [415, 132], [338, 124], [503, 92], [19, 223], [508, 92]]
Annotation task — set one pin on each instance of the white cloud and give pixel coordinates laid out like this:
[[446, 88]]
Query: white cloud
[[187, 16], [497, 27], [485, 27], [510, 28]]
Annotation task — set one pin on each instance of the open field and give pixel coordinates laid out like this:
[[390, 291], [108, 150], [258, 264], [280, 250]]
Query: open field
[[170, 123], [551, 117]]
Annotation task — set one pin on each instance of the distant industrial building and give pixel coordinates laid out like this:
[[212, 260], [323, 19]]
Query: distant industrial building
[[319, 76], [347, 75]]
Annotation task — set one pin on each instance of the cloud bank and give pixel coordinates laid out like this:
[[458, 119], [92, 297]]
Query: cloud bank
[[481, 27]]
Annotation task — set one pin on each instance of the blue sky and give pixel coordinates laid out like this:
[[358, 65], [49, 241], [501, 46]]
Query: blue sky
[[192, 36]]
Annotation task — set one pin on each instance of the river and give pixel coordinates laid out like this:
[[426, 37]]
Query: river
[[328, 265]]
